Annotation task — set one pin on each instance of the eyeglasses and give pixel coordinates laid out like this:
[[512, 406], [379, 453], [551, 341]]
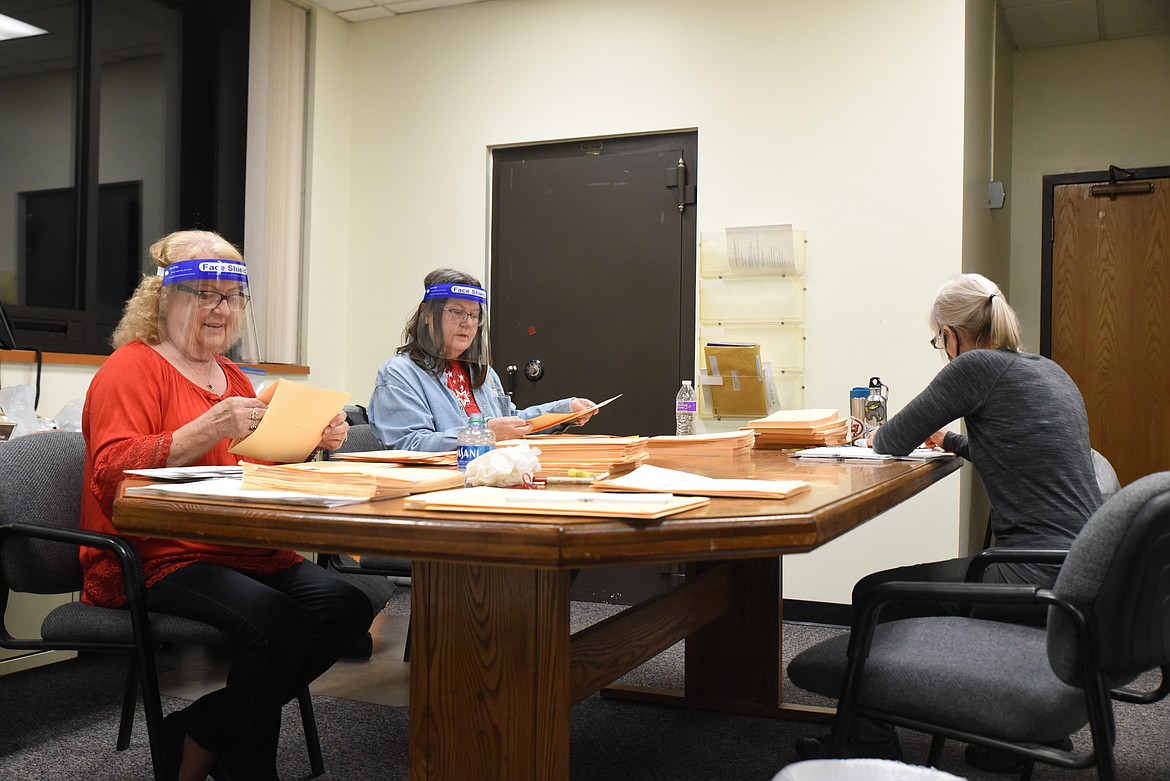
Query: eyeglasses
[[939, 340], [210, 299], [461, 317]]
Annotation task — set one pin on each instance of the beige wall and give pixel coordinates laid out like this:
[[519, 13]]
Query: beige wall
[[1080, 108], [843, 118], [329, 280]]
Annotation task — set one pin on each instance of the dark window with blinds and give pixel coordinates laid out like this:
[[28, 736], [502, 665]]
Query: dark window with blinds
[[123, 120]]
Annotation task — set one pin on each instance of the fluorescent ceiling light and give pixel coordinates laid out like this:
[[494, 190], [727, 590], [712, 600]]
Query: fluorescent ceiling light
[[14, 28]]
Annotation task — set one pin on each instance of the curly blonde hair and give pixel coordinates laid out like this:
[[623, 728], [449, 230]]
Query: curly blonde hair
[[141, 319]]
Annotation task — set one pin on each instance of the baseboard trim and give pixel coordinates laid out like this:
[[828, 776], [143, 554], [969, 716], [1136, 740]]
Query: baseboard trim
[[806, 612]]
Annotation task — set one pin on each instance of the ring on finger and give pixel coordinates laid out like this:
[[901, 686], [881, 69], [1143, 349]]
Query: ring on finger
[[252, 414], [252, 427]]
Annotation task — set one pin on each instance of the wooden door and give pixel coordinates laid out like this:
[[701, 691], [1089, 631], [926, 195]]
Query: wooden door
[[1107, 296], [593, 275]]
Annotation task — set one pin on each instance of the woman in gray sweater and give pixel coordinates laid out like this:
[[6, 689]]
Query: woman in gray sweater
[[1027, 434], [1028, 438]]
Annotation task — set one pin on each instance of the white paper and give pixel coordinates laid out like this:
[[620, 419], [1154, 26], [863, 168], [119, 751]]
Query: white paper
[[655, 478], [188, 472], [229, 488], [854, 453]]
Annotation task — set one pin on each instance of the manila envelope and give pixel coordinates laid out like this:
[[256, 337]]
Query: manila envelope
[[742, 393], [292, 424]]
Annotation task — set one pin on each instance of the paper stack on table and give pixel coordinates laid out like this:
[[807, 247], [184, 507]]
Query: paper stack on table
[[227, 490], [653, 478], [513, 501], [363, 480], [800, 427], [413, 457], [723, 443], [561, 452]]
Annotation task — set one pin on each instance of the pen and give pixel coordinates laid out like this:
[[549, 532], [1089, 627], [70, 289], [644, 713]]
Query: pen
[[586, 498]]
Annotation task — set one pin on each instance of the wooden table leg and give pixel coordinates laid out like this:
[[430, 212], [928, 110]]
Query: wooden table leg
[[734, 662], [489, 685], [737, 656]]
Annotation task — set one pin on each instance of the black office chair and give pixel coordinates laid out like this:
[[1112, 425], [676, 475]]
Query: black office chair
[[40, 514], [361, 438], [1010, 687]]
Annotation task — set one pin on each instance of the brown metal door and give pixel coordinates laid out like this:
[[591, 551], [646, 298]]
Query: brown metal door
[[1108, 291], [593, 275]]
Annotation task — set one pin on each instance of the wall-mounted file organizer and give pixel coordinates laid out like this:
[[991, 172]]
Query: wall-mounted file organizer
[[751, 321], [751, 300]]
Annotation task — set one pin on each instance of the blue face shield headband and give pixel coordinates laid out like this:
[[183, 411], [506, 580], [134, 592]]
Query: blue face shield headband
[[466, 292], [204, 268]]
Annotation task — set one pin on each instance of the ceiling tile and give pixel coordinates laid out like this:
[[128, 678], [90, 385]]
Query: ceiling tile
[[1053, 23], [337, 6], [366, 14], [406, 6]]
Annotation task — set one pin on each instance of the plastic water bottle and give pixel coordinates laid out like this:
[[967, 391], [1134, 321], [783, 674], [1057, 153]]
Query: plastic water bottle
[[473, 441], [686, 409]]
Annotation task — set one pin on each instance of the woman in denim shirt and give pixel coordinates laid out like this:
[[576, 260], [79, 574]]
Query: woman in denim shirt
[[440, 376]]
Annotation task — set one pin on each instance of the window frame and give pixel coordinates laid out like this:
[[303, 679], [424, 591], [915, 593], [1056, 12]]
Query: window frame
[[211, 154]]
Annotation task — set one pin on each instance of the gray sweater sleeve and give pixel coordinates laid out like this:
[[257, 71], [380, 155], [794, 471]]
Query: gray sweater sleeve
[[957, 391]]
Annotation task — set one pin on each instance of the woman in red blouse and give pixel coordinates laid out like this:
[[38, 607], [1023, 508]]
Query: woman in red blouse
[[168, 397]]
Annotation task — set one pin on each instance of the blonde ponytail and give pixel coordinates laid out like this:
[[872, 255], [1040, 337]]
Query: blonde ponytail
[[975, 306]]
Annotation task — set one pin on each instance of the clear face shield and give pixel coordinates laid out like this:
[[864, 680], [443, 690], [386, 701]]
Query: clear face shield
[[452, 323], [203, 309]]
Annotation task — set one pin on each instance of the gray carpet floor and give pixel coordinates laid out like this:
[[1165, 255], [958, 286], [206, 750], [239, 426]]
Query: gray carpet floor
[[60, 722]]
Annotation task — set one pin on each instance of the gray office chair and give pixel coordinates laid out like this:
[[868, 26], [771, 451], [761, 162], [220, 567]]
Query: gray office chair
[[40, 514], [360, 438], [1011, 687], [385, 569]]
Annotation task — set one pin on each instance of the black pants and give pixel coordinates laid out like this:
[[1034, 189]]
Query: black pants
[[950, 571], [291, 626]]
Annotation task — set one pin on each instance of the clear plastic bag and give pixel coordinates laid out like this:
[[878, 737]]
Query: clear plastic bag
[[69, 418], [504, 466], [18, 404]]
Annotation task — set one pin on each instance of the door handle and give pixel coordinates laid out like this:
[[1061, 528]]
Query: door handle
[[511, 371]]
